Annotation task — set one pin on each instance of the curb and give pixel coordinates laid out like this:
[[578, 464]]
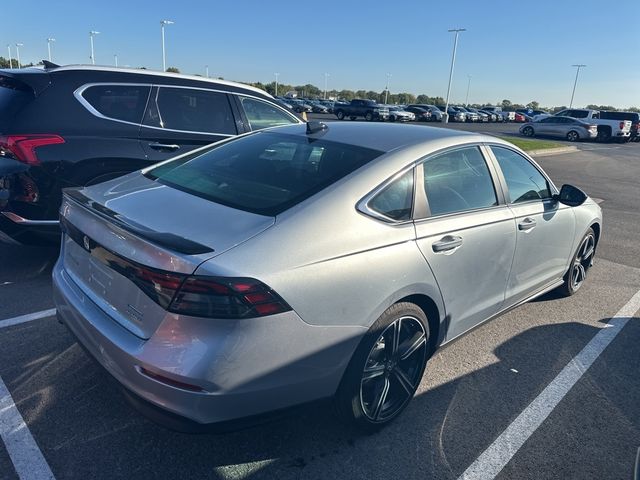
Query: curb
[[552, 151]]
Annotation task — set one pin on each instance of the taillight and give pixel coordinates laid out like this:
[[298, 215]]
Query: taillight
[[23, 147], [219, 297]]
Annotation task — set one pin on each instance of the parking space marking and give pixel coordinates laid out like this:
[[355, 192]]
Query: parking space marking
[[25, 455], [489, 464], [27, 318]]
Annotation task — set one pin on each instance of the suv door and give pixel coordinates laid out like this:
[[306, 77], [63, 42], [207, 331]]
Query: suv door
[[467, 235], [180, 119], [545, 228]]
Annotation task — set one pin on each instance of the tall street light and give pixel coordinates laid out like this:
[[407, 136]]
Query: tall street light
[[466, 102], [386, 88], [115, 59], [49, 41], [206, 71], [578, 67], [92, 34], [326, 75], [18, 45], [10, 60], [164, 58], [277, 75], [453, 61]]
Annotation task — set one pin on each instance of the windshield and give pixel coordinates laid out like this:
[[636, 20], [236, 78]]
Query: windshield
[[264, 173]]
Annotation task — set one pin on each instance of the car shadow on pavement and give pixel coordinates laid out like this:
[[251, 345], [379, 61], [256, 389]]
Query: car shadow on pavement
[[87, 430], [19, 263]]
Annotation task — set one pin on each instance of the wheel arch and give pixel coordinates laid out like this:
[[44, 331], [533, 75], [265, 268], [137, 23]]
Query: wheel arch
[[430, 308]]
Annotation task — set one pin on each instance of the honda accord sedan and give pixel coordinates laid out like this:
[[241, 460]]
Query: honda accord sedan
[[310, 261]]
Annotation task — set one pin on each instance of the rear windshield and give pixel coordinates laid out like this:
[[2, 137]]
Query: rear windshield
[[620, 116], [264, 173], [13, 96]]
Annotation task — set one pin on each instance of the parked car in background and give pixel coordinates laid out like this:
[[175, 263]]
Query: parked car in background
[[79, 125], [566, 127], [493, 116], [454, 115], [633, 117], [193, 323], [368, 109], [436, 113], [506, 116], [469, 115], [607, 129], [318, 107], [482, 117], [300, 106], [400, 114], [519, 118], [421, 114]]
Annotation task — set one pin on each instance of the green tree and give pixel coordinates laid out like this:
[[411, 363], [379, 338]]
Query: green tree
[[173, 70], [533, 105], [506, 105]]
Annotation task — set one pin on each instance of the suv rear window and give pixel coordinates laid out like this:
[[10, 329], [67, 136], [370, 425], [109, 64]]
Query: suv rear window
[[119, 102], [634, 117], [264, 173]]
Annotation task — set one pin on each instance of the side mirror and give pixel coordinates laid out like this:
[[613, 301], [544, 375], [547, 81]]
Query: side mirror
[[570, 195]]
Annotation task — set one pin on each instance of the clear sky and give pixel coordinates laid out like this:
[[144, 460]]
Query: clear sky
[[519, 50]]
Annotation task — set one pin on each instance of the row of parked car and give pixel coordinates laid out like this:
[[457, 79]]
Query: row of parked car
[[585, 124]]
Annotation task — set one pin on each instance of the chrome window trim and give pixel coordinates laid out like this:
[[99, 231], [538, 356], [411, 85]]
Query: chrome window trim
[[363, 205], [80, 90]]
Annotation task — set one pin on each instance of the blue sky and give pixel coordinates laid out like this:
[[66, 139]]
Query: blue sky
[[514, 49]]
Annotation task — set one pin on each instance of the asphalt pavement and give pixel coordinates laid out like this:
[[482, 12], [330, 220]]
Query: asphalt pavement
[[472, 391]]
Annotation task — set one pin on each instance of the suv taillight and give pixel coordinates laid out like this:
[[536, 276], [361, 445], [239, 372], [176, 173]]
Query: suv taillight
[[621, 125], [23, 147]]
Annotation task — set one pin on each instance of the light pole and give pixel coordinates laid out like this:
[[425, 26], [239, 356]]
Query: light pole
[[277, 75], [386, 88], [453, 61], [466, 102], [206, 71], [18, 45], [164, 58], [326, 75], [49, 40], [92, 34], [115, 58], [579, 66], [10, 61]]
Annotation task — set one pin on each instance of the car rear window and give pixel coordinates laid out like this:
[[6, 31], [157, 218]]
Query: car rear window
[[119, 102], [264, 173], [13, 96], [620, 116]]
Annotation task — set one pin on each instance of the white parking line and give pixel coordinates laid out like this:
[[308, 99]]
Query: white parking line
[[27, 458], [27, 318], [501, 451]]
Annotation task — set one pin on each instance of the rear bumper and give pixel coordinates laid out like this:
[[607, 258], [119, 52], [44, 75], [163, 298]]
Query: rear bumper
[[246, 368]]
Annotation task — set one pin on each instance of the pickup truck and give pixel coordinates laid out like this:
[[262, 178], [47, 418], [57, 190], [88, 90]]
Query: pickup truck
[[368, 109], [607, 129]]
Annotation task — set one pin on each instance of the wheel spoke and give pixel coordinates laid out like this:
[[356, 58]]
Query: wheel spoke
[[392, 346], [379, 400], [403, 380], [373, 371], [414, 344]]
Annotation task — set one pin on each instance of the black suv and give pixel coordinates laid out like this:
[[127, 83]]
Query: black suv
[[79, 125]]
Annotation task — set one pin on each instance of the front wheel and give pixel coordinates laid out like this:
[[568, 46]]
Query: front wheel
[[528, 131], [580, 264], [340, 115], [386, 368], [573, 136], [368, 116]]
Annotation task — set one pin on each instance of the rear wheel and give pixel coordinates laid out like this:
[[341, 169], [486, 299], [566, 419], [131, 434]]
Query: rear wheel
[[604, 134], [386, 368], [368, 116], [573, 136], [340, 115], [580, 264], [528, 131]]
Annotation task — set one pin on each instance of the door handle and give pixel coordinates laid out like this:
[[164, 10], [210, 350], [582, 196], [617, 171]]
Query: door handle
[[526, 224], [164, 146], [446, 243]]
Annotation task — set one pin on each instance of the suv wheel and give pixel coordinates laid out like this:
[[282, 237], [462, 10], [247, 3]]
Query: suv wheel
[[368, 116]]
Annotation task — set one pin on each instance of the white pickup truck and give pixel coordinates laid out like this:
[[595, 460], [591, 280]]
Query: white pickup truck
[[607, 129]]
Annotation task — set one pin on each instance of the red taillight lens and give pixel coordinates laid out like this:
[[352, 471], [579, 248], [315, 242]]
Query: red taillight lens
[[621, 125], [217, 297], [23, 147]]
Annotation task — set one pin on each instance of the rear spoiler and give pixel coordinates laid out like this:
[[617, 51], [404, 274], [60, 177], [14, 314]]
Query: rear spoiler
[[34, 80], [163, 239]]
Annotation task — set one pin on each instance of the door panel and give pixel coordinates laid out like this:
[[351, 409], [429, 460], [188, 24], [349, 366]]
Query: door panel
[[473, 268]]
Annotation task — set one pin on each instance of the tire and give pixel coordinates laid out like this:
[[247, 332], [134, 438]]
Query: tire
[[392, 118], [368, 116], [604, 135], [378, 382], [581, 261], [528, 132], [340, 115], [573, 136], [352, 118]]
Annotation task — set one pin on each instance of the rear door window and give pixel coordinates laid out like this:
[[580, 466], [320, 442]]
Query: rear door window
[[524, 181], [118, 102], [191, 110], [264, 115], [395, 201]]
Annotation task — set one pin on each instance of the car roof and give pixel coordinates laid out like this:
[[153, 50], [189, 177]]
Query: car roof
[[386, 137], [155, 73]]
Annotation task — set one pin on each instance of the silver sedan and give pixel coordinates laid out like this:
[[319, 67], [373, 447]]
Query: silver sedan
[[310, 261], [565, 127]]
